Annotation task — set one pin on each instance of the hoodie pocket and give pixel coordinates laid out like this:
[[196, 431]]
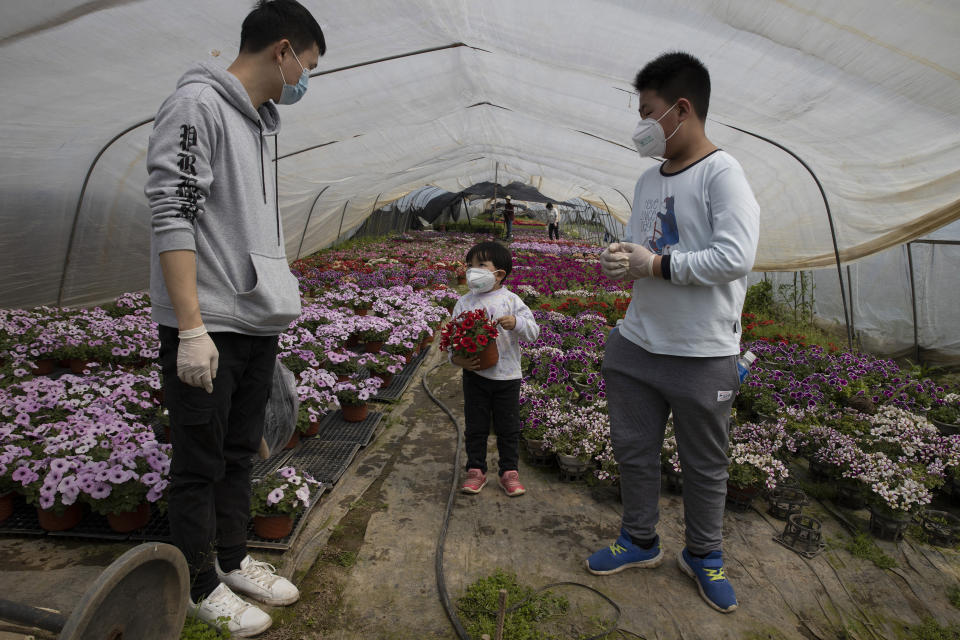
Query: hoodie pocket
[[274, 302]]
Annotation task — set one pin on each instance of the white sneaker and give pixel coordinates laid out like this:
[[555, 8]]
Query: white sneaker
[[223, 606], [260, 581]]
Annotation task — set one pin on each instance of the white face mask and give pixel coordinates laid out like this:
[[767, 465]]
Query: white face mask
[[480, 280], [650, 138]]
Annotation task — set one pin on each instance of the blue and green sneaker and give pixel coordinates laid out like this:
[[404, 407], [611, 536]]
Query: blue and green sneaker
[[623, 554], [711, 579]]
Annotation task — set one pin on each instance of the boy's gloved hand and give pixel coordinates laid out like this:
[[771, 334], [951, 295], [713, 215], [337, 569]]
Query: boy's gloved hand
[[507, 322], [639, 260], [613, 262], [197, 358]]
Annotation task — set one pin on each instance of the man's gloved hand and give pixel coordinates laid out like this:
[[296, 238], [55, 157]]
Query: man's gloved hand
[[639, 260], [614, 263], [197, 358]]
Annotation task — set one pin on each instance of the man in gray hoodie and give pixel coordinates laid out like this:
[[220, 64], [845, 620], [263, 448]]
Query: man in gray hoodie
[[222, 292]]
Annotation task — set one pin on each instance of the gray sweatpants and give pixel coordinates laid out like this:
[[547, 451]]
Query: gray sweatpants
[[642, 388]]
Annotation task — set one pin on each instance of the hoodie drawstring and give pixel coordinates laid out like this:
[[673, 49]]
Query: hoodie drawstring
[[263, 179], [276, 183]]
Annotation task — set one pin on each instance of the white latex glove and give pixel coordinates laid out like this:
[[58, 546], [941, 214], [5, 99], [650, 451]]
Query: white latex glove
[[613, 263], [197, 358], [639, 259]]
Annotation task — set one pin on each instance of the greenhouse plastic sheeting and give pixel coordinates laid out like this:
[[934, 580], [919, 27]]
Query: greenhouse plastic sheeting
[[882, 306], [537, 91]]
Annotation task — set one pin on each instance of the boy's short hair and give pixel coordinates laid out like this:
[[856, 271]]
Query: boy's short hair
[[495, 252], [273, 20], [677, 75], [549, 205]]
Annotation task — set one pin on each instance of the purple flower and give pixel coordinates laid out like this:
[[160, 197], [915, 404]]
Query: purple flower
[[119, 475], [275, 496]]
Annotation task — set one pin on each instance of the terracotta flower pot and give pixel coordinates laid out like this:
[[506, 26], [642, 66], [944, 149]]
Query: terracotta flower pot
[[272, 527], [354, 412], [489, 356], [352, 341], [6, 505], [77, 365], [386, 377], [373, 347], [342, 377], [43, 366], [887, 524], [51, 521], [741, 497], [946, 428], [572, 464], [461, 279], [130, 520], [314, 428], [942, 528], [293, 441], [850, 494], [537, 447], [359, 312]]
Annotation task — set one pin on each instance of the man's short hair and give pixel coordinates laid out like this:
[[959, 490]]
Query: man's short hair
[[495, 252], [273, 20], [677, 75]]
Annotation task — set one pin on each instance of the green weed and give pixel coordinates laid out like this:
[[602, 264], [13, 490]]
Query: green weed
[[478, 608], [863, 546], [194, 629], [930, 629]]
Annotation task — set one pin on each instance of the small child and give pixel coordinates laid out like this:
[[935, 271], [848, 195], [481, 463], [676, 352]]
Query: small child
[[495, 390]]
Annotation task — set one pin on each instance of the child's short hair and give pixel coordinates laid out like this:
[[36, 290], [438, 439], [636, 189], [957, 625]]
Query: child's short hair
[[495, 252], [677, 75]]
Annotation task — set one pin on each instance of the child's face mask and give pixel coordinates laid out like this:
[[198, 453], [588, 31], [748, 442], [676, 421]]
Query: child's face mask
[[481, 280]]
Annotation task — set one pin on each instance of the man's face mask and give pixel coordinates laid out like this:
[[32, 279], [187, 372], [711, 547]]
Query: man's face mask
[[650, 138], [293, 92], [480, 280]]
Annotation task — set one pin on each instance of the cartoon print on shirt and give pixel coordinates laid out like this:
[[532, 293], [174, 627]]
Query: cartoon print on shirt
[[668, 233]]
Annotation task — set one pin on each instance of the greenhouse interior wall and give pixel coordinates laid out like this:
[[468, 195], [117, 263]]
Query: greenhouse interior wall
[[886, 319]]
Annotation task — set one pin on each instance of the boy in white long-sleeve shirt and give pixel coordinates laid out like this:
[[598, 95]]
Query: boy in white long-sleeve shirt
[[494, 391], [690, 243]]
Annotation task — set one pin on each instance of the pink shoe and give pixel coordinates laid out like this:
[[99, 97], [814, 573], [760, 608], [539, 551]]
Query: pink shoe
[[510, 483], [475, 481]]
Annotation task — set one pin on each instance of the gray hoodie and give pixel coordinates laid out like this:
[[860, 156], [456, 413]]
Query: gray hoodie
[[212, 190]]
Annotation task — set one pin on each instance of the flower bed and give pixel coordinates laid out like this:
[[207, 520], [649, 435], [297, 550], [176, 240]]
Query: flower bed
[[88, 438]]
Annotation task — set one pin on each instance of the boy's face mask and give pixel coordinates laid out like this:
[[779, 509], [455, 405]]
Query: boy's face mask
[[480, 280], [649, 137], [293, 92]]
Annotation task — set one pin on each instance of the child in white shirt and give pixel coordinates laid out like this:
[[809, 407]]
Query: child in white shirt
[[495, 391]]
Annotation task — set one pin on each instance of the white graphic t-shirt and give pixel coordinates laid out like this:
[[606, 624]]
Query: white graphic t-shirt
[[707, 220]]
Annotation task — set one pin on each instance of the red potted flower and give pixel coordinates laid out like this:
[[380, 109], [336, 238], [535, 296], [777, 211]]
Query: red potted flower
[[471, 334]]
